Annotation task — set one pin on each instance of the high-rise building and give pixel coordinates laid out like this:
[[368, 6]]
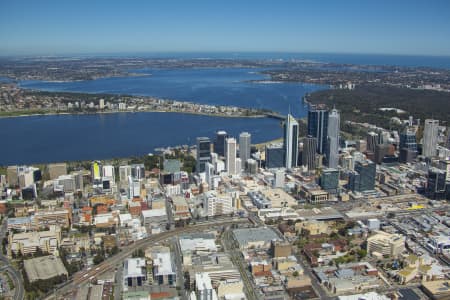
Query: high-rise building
[[436, 183], [108, 171], [291, 142], [430, 137], [275, 156], [309, 152], [220, 142], [329, 180], [124, 172], [333, 139], [363, 178], [230, 156], [318, 126], [408, 139], [138, 171], [203, 153], [96, 171], [244, 147], [372, 141]]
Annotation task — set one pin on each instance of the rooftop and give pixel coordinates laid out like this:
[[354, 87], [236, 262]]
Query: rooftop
[[248, 235], [134, 267], [44, 267]]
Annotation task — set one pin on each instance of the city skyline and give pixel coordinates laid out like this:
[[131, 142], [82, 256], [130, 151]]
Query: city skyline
[[50, 27]]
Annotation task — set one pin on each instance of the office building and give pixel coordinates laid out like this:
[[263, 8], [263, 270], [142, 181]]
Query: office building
[[318, 126], [230, 156], [108, 171], [291, 142], [220, 142], [430, 137], [203, 287], [244, 147], [138, 171], [329, 180], [363, 178], [333, 139], [124, 172], [408, 140], [309, 152], [275, 156], [164, 271], [383, 243], [372, 141], [96, 171], [445, 166], [203, 153], [436, 184], [134, 272]]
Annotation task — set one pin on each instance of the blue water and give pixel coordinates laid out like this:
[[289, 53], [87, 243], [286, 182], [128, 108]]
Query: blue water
[[41, 139], [226, 86]]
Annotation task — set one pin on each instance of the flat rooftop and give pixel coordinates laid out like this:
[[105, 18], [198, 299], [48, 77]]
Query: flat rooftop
[[248, 235], [44, 267]]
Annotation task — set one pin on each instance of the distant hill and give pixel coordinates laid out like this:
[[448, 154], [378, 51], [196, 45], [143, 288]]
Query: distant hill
[[363, 103]]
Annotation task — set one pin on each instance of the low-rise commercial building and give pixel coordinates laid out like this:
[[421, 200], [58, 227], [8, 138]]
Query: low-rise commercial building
[[44, 267], [385, 244]]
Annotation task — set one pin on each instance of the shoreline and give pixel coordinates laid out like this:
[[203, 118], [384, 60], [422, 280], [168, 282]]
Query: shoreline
[[140, 111]]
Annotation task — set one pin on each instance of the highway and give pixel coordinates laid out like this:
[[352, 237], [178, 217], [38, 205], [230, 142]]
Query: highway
[[87, 275], [19, 292]]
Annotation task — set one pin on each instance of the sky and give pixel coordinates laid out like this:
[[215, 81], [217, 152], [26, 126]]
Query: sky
[[317, 26]]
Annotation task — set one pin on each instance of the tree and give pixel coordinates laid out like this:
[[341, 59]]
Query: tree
[[98, 259], [362, 253], [295, 274]]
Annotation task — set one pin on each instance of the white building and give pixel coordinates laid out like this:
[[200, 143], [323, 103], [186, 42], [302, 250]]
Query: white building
[[134, 272], [108, 171], [230, 155], [124, 173], [430, 137], [203, 287], [291, 142], [217, 204], [244, 147]]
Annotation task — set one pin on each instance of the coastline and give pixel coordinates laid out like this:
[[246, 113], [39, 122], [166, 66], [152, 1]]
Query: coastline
[[139, 111]]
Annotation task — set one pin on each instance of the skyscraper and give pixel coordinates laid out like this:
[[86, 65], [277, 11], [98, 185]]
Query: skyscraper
[[309, 152], [363, 178], [318, 125], [372, 141], [275, 156], [244, 147], [230, 156], [219, 142], [333, 139], [430, 137], [408, 139], [203, 153], [291, 142]]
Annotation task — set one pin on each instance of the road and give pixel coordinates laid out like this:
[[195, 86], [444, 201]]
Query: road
[[87, 275], [250, 289], [179, 265], [19, 291], [314, 281]]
